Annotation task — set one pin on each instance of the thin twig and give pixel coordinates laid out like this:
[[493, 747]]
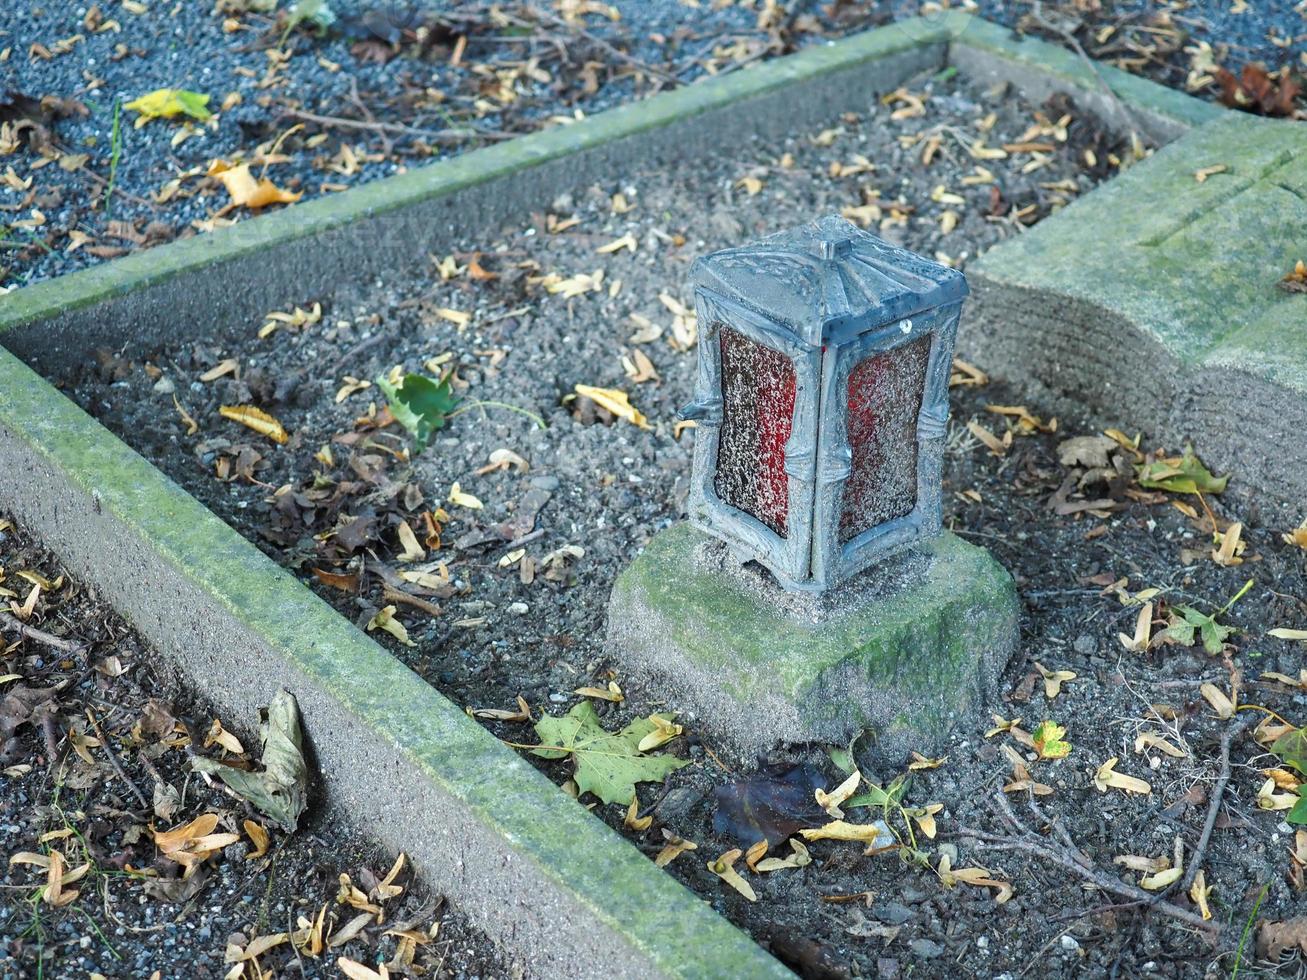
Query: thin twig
[[1031, 843], [113, 760], [442, 135], [40, 636], [1234, 728]]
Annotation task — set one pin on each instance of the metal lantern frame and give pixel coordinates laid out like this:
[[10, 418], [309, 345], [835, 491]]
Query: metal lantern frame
[[826, 296]]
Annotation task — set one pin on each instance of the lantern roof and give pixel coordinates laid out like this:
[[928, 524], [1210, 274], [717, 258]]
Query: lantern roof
[[828, 280]]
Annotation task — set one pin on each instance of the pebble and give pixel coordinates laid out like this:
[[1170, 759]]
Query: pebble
[[1085, 645], [926, 948], [1069, 943]]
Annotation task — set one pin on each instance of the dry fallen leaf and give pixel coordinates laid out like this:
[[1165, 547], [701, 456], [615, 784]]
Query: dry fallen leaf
[[1107, 777], [724, 868], [610, 693], [799, 857], [674, 847], [614, 401], [256, 419], [1053, 679], [461, 499], [1143, 631], [830, 802], [840, 830], [385, 620], [247, 191], [1147, 740], [1217, 698], [976, 876]]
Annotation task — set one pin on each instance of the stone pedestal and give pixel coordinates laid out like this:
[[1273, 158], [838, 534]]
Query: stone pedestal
[[903, 652]]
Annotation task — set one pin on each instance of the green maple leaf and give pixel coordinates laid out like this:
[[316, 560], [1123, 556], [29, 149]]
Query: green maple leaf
[[1184, 475], [1190, 621], [608, 764], [419, 404]]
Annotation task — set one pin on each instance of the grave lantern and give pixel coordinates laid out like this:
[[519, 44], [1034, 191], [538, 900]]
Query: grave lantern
[[822, 398]]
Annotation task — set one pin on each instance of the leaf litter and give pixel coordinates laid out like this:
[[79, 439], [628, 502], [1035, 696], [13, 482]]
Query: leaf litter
[[103, 844]]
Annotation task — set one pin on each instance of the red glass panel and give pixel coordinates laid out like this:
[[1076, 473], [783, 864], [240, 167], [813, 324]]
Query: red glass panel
[[885, 392], [758, 386]]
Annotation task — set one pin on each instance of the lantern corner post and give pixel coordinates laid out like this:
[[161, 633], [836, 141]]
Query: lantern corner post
[[705, 410], [932, 424]]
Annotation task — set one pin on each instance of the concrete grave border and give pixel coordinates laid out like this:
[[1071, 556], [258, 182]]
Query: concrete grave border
[[559, 890]]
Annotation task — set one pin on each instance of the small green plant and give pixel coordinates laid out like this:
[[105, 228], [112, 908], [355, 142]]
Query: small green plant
[[1188, 621], [423, 405], [115, 154], [315, 12], [420, 404], [1247, 928]]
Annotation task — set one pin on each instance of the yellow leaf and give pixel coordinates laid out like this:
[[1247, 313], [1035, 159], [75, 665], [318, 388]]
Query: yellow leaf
[[1053, 679], [1283, 633], [1108, 778], [168, 103], [247, 191], [461, 499], [1049, 740], [840, 830], [751, 185], [614, 401], [830, 802], [724, 868], [256, 419], [385, 620]]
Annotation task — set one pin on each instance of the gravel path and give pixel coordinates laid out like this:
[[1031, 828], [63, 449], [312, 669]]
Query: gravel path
[[394, 85]]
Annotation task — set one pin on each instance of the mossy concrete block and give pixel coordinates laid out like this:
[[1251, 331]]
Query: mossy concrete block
[[904, 652], [1155, 301]]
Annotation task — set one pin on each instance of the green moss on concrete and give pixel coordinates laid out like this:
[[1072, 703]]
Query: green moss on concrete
[[931, 639], [47, 440], [1187, 263]]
